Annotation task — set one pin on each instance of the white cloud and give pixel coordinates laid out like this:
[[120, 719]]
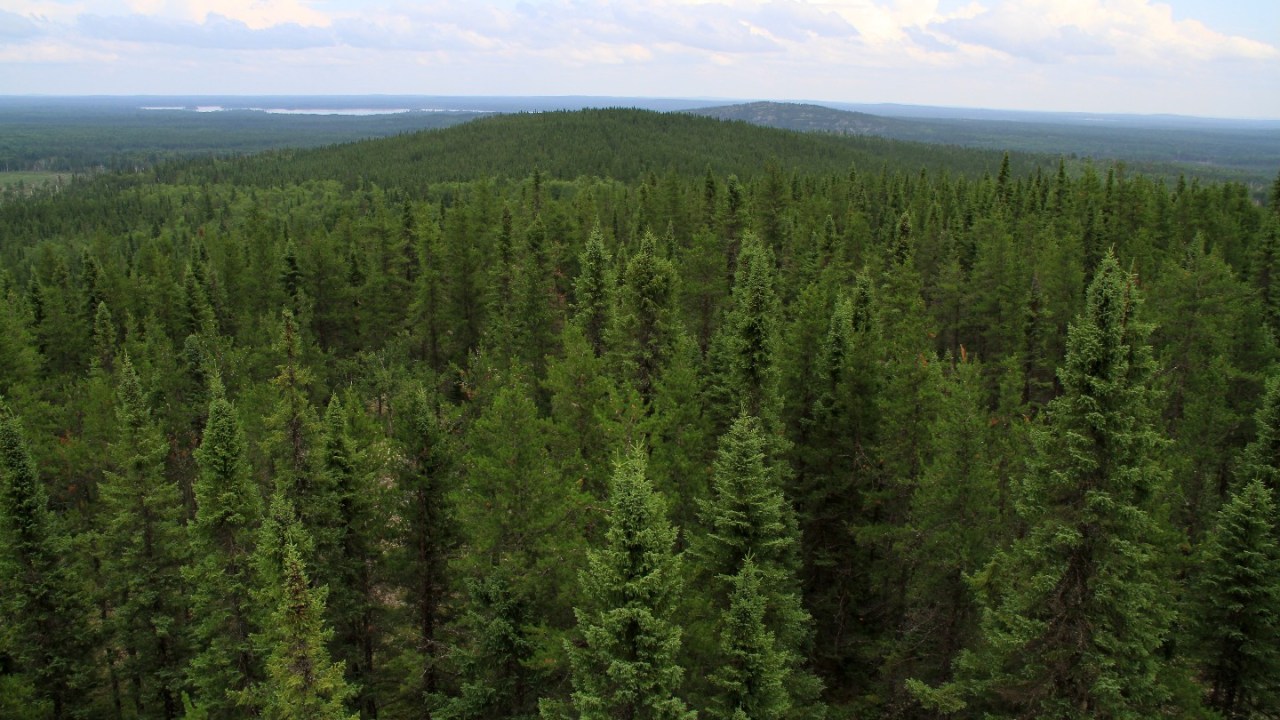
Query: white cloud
[[900, 50]]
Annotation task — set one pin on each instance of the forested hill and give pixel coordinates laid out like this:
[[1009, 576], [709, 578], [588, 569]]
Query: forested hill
[[1245, 151], [806, 118], [786, 428], [623, 144]]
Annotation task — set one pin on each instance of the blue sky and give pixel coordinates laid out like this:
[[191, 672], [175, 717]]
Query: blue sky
[[1198, 57]]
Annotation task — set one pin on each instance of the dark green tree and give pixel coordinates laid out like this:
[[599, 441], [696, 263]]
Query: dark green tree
[[143, 549], [48, 639], [593, 291], [746, 516], [645, 325], [301, 682], [1075, 610], [1237, 607], [752, 681], [220, 573]]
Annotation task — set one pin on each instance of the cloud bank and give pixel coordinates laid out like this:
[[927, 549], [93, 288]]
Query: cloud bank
[[1120, 55]]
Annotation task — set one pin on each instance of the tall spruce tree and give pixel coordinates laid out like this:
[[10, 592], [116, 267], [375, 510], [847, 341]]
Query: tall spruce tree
[[301, 682], [48, 640], [143, 549], [220, 574], [518, 520], [1237, 616], [627, 666], [645, 325], [747, 515], [752, 677], [1076, 609]]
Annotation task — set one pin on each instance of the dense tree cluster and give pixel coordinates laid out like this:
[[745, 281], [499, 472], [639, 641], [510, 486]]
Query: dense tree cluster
[[798, 443]]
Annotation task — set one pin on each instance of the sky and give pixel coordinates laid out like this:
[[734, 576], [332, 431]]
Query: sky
[[1216, 58]]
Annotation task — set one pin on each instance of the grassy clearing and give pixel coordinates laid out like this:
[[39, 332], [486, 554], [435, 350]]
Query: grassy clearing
[[32, 178]]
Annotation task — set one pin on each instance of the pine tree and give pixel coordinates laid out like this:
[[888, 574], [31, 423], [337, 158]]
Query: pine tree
[[348, 556], [953, 528], [1075, 610], [1261, 458], [423, 541], [228, 511], [519, 523], [627, 666], [1237, 618], [47, 635], [744, 371]]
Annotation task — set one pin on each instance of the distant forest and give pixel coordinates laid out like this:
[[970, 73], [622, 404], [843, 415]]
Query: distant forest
[[623, 414]]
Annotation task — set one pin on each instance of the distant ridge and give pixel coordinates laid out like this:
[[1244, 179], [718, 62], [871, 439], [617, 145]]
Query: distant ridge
[[623, 144], [805, 117]]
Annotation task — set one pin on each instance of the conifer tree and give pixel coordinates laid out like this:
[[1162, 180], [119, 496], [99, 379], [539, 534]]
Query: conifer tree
[[143, 549], [593, 291], [348, 559], [1261, 458], [228, 511], [301, 682], [1237, 616], [747, 516], [627, 666], [752, 679], [1075, 610], [743, 367], [48, 637], [645, 326], [518, 520], [954, 526], [423, 540]]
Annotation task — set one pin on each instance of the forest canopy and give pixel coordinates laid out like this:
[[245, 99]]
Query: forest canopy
[[623, 414]]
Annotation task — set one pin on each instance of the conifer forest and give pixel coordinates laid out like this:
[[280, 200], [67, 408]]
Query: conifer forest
[[625, 414]]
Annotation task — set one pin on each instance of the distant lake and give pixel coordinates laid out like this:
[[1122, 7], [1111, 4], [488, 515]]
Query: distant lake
[[357, 112]]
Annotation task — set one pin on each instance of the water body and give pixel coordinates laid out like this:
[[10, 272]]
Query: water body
[[351, 112]]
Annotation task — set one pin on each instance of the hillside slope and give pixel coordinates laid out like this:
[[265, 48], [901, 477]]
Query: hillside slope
[[619, 143]]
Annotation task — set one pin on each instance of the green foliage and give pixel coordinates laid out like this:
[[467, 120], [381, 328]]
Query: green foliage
[[221, 537], [301, 681], [431, 375], [752, 680], [627, 665], [47, 640], [1076, 609], [1237, 607], [142, 549]]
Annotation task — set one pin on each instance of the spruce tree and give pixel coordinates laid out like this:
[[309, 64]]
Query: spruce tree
[[519, 522], [743, 366], [645, 325], [747, 516], [1075, 610], [422, 541], [348, 555], [1237, 608], [301, 682], [1261, 458], [143, 549], [627, 665], [752, 679], [220, 574], [593, 291], [48, 637]]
